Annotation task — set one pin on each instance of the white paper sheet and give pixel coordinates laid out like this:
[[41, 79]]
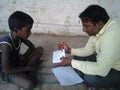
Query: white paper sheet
[[66, 76], [57, 55]]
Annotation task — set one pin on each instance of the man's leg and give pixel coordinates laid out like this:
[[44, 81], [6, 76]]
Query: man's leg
[[91, 58], [111, 80]]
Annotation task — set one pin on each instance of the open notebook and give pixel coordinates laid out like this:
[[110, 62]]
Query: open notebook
[[65, 75]]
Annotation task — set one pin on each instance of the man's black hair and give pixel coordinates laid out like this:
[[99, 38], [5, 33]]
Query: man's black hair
[[94, 13]]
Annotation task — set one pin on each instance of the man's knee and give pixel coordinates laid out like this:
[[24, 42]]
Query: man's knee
[[92, 80]]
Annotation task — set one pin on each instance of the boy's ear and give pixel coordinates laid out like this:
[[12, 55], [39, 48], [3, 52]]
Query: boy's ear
[[16, 30]]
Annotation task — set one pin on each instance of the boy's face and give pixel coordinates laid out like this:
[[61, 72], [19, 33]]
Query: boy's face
[[25, 31], [91, 29]]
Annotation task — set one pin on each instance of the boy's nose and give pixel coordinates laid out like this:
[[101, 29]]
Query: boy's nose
[[84, 30], [30, 32]]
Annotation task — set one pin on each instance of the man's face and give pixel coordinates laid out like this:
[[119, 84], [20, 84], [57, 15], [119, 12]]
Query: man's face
[[90, 28]]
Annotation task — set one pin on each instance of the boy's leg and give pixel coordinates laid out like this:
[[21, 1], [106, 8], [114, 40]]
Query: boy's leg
[[34, 57], [23, 81]]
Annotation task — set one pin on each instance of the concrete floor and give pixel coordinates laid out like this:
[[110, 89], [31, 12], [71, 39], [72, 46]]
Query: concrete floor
[[45, 76], [49, 42]]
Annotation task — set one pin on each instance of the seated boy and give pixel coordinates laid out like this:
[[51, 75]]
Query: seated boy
[[14, 67]]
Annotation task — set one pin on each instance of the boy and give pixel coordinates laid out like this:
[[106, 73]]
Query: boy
[[14, 67]]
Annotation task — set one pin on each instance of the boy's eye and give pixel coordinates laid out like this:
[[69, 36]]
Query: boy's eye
[[85, 26], [27, 31]]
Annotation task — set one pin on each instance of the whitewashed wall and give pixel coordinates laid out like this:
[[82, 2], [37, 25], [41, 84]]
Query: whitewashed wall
[[112, 7], [59, 17], [51, 16]]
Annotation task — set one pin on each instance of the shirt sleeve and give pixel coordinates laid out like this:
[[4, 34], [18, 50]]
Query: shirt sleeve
[[87, 50], [107, 57]]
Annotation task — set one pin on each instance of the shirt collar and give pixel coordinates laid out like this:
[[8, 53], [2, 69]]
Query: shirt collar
[[105, 27]]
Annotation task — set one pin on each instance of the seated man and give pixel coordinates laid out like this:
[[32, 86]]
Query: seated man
[[98, 63]]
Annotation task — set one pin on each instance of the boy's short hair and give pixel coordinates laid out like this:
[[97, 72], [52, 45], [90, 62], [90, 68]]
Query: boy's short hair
[[19, 19], [94, 13]]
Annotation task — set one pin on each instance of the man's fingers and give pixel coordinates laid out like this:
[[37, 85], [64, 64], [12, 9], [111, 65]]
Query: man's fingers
[[58, 64]]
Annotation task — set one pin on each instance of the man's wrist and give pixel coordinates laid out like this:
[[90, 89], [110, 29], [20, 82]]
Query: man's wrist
[[69, 50]]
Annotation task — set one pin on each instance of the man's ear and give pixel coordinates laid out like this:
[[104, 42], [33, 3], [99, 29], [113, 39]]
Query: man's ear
[[99, 24]]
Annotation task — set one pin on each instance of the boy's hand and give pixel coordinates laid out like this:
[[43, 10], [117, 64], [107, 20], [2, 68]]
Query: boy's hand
[[33, 68]]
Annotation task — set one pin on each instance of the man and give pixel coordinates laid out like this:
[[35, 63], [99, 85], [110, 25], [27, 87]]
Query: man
[[98, 63]]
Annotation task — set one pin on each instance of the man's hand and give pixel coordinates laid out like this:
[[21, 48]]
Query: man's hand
[[63, 45], [65, 62]]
